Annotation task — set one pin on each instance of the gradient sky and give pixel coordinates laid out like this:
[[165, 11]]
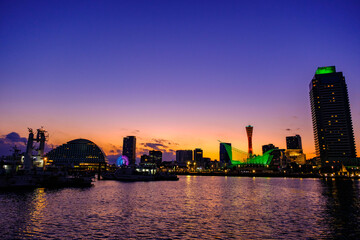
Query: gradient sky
[[177, 74]]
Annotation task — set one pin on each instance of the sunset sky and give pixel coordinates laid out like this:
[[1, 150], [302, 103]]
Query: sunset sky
[[176, 74]]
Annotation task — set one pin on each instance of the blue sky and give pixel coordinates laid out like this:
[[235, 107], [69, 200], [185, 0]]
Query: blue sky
[[190, 72]]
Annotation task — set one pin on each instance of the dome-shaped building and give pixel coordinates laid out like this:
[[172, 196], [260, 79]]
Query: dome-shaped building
[[78, 153]]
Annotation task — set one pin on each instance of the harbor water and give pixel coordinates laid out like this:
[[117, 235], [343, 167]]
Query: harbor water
[[202, 207]]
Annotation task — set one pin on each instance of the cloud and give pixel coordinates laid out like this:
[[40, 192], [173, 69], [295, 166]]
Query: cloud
[[11, 140], [289, 129], [162, 145], [115, 151], [113, 154], [169, 156], [155, 146], [112, 159], [164, 141], [15, 137]]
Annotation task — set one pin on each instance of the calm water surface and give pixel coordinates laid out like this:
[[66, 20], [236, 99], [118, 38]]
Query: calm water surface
[[194, 207]]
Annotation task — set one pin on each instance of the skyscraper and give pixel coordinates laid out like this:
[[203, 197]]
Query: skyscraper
[[129, 148], [225, 153], [198, 156], [249, 132], [155, 157], [331, 117], [183, 157], [293, 142]]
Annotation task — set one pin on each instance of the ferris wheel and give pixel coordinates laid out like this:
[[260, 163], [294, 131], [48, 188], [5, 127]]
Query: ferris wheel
[[122, 161]]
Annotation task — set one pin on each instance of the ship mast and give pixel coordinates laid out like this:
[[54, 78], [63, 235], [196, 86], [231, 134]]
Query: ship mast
[[41, 138]]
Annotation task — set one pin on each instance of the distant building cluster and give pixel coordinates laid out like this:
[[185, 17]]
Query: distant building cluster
[[333, 135]]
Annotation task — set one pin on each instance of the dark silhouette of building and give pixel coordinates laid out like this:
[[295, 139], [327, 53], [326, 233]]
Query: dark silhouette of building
[[268, 147], [198, 157], [278, 155], [331, 117], [249, 132], [293, 142], [206, 162], [145, 158], [225, 155], [279, 158], [155, 157], [183, 157], [129, 148], [294, 151], [79, 153]]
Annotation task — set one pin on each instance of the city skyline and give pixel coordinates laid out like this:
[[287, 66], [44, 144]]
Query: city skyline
[[201, 76]]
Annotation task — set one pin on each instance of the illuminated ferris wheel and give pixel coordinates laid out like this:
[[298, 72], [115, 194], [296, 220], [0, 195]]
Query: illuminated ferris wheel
[[122, 161]]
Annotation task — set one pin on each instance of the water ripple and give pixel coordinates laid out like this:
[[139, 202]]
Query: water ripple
[[194, 207]]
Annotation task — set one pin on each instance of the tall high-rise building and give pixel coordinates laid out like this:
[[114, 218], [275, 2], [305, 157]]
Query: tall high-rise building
[[129, 148], [155, 157], [225, 153], [293, 142], [198, 156], [184, 156], [249, 132], [331, 117]]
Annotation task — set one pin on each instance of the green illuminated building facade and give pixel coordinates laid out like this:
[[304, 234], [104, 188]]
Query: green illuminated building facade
[[225, 153], [331, 117]]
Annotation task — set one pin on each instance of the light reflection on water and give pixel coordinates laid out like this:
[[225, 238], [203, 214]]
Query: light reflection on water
[[194, 207]]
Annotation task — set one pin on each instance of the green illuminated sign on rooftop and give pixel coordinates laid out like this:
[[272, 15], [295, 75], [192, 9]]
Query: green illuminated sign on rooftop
[[325, 70]]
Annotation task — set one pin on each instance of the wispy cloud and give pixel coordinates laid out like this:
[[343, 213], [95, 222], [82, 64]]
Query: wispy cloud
[[163, 145]]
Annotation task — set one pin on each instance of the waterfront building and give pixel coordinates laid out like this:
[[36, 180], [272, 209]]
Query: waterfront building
[[268, 147], [214, 165], [129, 148], [155, 157], [293, 142], [249, 132], [331, 117], [225, 155], [198, 157], [184, 157], [294, 151], [279, 158], [206, 162], [81, 154], [145, 158], [295, 155]]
